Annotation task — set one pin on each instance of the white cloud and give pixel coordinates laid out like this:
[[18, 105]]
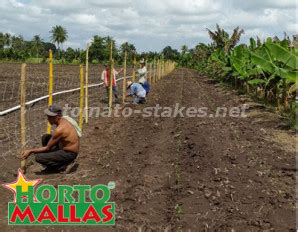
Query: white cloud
[[111, 3], [81, 19], [16, 4], [149, 24], [292, 28]]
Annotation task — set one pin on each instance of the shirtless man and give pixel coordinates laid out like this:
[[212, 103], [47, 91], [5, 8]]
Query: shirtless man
[[61, 148]]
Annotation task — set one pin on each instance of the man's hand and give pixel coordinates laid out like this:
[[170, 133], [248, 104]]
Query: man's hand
[[25, 154]]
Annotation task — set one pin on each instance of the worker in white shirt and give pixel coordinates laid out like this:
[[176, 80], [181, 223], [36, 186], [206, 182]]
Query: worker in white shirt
[[142, 74], [137, 91]]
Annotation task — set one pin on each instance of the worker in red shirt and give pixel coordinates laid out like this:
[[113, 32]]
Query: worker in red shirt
[[105, 76]]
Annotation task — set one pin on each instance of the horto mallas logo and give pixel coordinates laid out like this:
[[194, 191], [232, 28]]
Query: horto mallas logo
[[35, 204]]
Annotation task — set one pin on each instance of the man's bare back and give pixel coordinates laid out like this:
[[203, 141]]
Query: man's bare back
[[69, 139]]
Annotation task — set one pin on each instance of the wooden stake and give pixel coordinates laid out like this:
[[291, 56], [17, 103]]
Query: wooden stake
[[158, 69], [111, 78], [23, 113], [124, 78], [154, 70], [81, 119], [50, 99], [134, 69], [162, 68], [149, 73], [86, 84]]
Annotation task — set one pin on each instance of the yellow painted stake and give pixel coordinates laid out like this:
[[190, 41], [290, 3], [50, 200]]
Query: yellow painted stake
[[124, 78], [111, 78], [86, 84], [23, 113], [50, 99]]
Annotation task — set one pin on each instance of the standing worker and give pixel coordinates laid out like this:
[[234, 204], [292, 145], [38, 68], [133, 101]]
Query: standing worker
[[105, 76], [142, 74]]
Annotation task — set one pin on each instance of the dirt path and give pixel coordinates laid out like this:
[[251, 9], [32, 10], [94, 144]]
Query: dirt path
[[188, 174]]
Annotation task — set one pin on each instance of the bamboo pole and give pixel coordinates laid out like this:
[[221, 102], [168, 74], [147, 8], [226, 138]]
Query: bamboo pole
[[23, 113], [162, 67], [149, 73], [134, 69], [124, 78], [50, 99], [86, 84], [111, 77], [154, 70], [166, 68], [81, 119], [158, 69]]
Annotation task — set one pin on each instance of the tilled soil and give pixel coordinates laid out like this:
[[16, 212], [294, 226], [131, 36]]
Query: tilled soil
[[186, 173]]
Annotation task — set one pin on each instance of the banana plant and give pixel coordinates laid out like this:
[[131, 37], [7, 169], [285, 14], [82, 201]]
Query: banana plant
[[274, 58]]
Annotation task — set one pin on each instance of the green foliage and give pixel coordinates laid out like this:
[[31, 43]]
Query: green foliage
[[36, 50], [222, 40], [58, 35], [266, 69], [130, 49], [170, 54]]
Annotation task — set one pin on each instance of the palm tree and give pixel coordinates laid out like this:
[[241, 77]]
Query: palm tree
[[185, 56], [7, 40], [222, 40], [129, 48], [37, 44], [59, 35], [96, 49], [107, 43], [184, 49]]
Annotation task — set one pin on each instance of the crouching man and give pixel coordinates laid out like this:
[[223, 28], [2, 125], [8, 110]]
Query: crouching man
[[61, 148], [137, 91]]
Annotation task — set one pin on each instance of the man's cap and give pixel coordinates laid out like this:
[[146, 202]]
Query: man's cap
[[142, 61], [128, 84], [53, 110]]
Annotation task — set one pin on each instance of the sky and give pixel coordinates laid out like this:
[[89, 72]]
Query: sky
[[149, 24]]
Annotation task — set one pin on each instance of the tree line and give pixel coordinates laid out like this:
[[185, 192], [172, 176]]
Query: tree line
[[16, 49]]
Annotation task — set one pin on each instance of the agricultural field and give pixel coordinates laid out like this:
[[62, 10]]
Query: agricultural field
[[197, 131], [66, 77], [181, 174]]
